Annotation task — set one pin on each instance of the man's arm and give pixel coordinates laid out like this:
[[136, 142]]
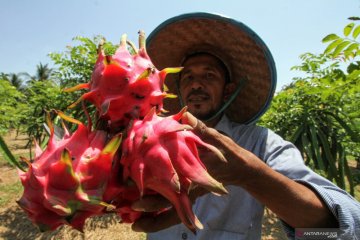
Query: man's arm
[[296, 204]]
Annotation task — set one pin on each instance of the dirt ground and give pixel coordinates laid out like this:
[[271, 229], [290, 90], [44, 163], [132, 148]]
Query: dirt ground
[[14, 224]]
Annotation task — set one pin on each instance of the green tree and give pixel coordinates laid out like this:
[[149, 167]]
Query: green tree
[[41, 96], [43, 73], [16, 79], [319, 112], [75, 66], [12, 105]]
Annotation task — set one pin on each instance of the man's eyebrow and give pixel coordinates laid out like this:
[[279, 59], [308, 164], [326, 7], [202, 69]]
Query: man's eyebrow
[[186, 71], [213, 68]]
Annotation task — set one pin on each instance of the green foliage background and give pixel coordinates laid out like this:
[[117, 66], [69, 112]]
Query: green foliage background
[[318, 112]]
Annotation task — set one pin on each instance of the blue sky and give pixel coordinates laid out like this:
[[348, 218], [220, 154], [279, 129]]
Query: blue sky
[[29, 30]]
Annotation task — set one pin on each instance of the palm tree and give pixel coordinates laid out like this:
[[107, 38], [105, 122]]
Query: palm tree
[[43, 73], [16, 79]]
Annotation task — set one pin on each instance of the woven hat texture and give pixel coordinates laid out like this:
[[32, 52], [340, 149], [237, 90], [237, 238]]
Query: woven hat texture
[[243, 52]]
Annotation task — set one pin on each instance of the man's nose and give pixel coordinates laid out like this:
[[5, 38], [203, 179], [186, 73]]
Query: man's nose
[[197, 83]]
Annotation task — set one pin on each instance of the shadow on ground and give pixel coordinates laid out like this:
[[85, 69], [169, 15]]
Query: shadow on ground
[[16, 225]]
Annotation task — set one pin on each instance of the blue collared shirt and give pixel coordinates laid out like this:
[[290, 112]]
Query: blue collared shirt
[[238, 215]]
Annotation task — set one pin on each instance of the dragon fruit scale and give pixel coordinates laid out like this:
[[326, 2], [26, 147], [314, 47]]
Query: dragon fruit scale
[[125, 86], [67, 182], [160, 154]]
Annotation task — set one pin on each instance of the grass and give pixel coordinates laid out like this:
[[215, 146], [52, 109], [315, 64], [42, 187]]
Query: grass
[[9, 192]]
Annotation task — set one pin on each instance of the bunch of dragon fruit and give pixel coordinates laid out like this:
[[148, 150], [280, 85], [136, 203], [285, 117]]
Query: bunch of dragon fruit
[[70, 180], [87, 173]]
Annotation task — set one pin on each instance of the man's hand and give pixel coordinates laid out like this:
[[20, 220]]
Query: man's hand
[[225, 172], [246, 170], [156, 203], [165, 219], [276, 191], [156, 223]]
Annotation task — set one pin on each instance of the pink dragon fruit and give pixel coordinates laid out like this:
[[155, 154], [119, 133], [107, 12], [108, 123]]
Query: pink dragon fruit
[[81, 175], [159, 154], [67, 182], [125, 86]]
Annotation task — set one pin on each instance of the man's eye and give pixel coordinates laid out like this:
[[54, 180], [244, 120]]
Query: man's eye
[[210, 75], [186, 78]]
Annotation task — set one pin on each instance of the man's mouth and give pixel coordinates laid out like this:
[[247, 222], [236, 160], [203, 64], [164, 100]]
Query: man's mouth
[[197, 98]]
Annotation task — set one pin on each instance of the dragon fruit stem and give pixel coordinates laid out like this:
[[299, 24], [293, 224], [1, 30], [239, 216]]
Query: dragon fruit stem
[[113, 145], [123, 40], [25, 160], [87, 115], [169, 95], [146, 73], [75, 103], [108, 59], [109, 207], [132, 45], [67, 118], [142, 40], [178, 116], [100, 46], [171, 70], [77, 87]]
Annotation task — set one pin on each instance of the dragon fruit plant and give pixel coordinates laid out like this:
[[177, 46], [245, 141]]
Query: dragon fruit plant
[[84, 174]]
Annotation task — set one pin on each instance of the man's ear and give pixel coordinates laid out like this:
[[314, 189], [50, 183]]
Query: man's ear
[[229, 90]]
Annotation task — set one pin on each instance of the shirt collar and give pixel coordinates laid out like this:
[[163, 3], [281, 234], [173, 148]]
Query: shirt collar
[[224, 125]]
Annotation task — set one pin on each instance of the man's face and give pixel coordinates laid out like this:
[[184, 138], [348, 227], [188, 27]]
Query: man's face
[[202, 84]]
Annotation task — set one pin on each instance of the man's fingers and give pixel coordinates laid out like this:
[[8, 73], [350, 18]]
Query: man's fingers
[[150, 224], [200, 128], [189, 119], [151, 204]]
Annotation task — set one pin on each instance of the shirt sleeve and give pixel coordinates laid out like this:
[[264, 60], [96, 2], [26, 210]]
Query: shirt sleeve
[[283, 157]]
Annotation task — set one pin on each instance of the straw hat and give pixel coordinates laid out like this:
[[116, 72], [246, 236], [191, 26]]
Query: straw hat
[[248, 59]]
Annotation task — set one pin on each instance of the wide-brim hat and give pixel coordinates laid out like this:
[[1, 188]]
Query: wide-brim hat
[[248, 59]]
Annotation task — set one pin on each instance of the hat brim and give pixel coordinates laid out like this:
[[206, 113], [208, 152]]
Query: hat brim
[[243, 52]]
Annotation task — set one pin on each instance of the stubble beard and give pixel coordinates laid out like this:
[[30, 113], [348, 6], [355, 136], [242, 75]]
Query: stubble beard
[[204, 116]]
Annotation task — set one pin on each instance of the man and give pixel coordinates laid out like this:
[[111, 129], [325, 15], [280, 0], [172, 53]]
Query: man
[[227, 82]]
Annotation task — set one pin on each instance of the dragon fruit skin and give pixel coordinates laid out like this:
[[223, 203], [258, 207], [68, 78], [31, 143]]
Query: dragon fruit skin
[[125, 86], [67, 181], [161, 155]]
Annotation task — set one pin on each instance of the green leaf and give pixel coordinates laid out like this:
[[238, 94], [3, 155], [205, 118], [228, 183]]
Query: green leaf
[[353, 68], [341, 168], [348, 174], [306, 144], [354, 18], [330, 159], [332, 45], [350, 50], [330, 37], [348, 29], [297, 133], [352, 47], [353, 135], [8, 155], [339, 48], [356, 32], [316, 147]]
